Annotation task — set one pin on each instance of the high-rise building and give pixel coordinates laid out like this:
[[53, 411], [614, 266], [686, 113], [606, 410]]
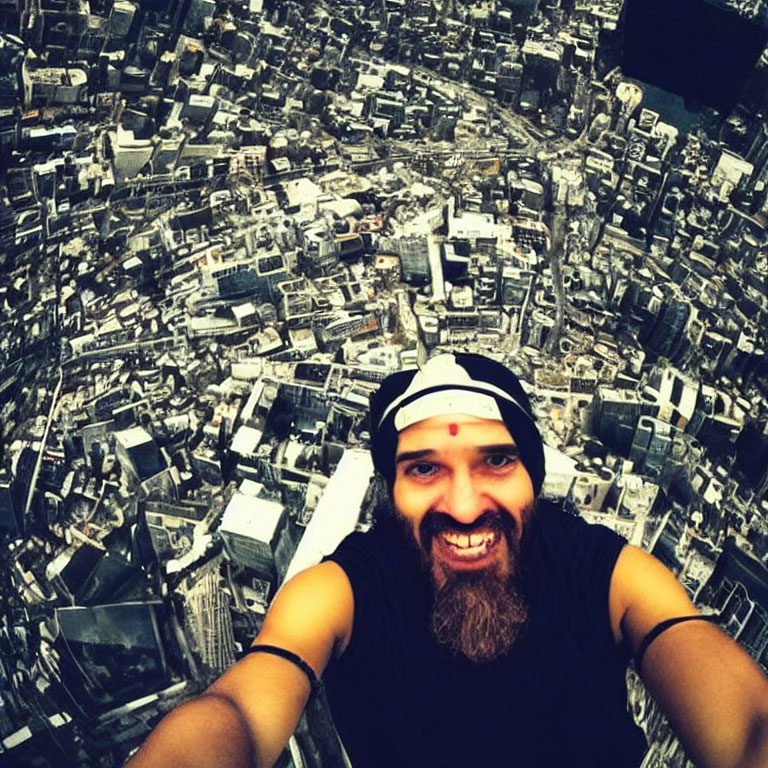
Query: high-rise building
[[652, 445], [515, 286], [209, 621], [250, 530], [523, 8], [138, 453], [670, 396], [752, 456], [541, 65], [414, 258], [11, 502], [614, 415], [665, 334], [230, 280]]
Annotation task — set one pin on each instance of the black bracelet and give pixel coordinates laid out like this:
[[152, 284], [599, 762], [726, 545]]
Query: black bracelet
[[663, 626], [294, 658]]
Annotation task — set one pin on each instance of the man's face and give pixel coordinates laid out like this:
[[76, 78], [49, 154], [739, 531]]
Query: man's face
[[461, 487], [462, 491]]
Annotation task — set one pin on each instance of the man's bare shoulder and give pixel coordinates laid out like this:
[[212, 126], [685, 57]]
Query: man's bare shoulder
[[314, 608], [643, 593], [326, 582]]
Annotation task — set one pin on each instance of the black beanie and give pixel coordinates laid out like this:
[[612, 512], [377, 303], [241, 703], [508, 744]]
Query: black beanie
[[454, 383]]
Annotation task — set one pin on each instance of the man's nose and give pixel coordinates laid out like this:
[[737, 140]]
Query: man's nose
[[463, 500]]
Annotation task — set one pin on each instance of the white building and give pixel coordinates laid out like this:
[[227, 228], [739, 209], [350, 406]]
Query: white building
[[251, 528]]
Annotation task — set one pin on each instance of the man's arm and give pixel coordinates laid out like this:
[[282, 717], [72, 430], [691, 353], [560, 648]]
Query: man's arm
[[715, 696], [247, 716]]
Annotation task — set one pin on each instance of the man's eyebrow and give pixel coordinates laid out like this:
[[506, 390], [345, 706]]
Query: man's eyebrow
[[509, 448], [499, 448], [411, 455]]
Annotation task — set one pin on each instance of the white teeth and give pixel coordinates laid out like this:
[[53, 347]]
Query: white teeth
[[474, 541]]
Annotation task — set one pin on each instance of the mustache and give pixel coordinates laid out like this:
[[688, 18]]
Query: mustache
[[498, 519]]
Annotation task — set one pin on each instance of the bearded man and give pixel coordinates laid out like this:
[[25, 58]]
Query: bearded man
[[474, 626]]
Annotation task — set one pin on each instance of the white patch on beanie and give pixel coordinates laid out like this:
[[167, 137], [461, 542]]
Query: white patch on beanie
[[447, 401], [444, 371]]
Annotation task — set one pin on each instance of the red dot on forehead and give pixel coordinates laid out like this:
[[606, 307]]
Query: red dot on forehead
[[453, 429]]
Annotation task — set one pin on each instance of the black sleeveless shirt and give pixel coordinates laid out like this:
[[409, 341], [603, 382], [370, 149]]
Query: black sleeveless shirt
[[556, 700]]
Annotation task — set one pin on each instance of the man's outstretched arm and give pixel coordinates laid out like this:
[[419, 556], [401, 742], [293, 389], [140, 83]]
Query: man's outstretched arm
[[247, 716], [715, 696]]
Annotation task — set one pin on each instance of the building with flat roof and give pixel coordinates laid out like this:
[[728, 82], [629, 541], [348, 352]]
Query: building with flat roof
[[250, 530], [138, 453]]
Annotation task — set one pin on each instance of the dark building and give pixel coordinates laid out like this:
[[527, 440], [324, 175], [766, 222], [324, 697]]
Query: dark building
[[92, 576], [615, 414], [45, 742], [521, 9], [11, 505], [752, 455], [702, 50], [738, 589], [665, 334], [114, 653]]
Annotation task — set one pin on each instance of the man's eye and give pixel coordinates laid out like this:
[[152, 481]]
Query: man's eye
[[499, 460], [421, 469]]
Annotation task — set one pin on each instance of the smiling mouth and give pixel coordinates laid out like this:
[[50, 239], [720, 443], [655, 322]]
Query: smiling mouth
[[467, 547]]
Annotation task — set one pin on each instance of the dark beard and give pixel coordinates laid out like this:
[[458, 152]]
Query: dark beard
[[476, 614], [479, 615]]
